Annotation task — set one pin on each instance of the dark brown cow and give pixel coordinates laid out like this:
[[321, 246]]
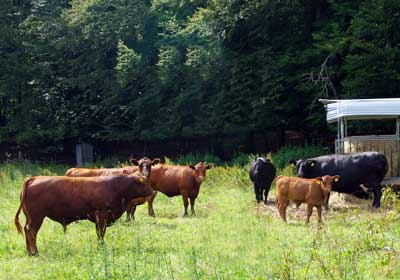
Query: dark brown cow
[[101, 200], [314, 192], [174, 180], [143, 166]]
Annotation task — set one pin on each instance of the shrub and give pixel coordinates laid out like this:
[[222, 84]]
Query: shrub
[[193, 158], [391, 199], [287, 153]]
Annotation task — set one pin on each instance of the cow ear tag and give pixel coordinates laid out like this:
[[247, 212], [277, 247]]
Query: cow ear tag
[[141, 180], [336, 180], [312, 163], [318, 182]]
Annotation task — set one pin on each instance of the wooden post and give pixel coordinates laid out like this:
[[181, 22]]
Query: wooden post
[[84, 154]]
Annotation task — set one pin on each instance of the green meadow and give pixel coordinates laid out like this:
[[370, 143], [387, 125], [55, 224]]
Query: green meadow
[[229, 238]]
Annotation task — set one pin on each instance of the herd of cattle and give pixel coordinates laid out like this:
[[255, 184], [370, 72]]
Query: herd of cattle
[[103, 195], [358, 174]]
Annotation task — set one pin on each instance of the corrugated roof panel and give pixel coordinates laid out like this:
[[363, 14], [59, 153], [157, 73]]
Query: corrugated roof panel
[[361, 108]]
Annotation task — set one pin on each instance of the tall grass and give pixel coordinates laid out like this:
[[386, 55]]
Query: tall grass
[[229, 238]]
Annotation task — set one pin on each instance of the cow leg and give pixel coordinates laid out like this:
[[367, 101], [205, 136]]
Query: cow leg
[[101, 224], [319, 211], [31, 229], [192, 200], [130, 212], [327, 201], [282, 205], [377, 197], [150, 205], [266, 191], [258, 192], [185, 204], [101, 229], [309, 212]]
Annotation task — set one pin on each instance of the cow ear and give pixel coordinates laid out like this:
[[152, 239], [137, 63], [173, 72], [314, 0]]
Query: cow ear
[[192, 167], [134, 161], [336, 178], [208, 166], [292, 162], [155, 161], [319, 180]]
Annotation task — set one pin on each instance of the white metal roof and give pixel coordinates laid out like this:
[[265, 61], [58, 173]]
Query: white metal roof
[[361, 108]]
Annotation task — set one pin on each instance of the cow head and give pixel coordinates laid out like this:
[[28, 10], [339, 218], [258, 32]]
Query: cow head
[[260, 163], [145, 165], [327, 181], [200, 171], [306, 168]]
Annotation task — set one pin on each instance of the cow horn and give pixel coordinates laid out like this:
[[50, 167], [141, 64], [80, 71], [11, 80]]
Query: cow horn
[[364, 188]]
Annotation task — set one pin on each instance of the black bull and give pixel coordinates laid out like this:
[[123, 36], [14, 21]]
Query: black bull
[[360, 173]]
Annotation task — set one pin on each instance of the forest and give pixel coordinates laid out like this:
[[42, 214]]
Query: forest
[[159, 70]]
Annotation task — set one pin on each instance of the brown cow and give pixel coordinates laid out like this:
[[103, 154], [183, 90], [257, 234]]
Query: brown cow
[[299, 190], [175, 180], [101, 200], [143, 165]]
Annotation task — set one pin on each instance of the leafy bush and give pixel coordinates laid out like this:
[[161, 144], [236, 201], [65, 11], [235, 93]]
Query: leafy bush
[[391, 199], [287, 153], [193, 158]]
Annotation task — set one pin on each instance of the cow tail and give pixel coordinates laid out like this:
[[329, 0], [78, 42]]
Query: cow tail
[[23, 197]]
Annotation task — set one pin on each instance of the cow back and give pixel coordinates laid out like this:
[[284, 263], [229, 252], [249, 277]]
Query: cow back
[[174, 180]]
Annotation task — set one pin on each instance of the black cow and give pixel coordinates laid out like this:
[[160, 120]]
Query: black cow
[[262, 173], [360, 173]]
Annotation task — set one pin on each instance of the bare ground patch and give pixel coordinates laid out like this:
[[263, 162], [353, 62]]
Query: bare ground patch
[[338, 204]]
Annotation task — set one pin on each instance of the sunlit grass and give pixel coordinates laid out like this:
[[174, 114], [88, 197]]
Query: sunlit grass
[[229, 238]]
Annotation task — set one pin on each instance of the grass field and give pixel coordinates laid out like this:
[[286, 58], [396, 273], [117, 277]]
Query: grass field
[[229, 238]]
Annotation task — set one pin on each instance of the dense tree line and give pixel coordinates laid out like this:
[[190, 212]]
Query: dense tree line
[[162, 69]]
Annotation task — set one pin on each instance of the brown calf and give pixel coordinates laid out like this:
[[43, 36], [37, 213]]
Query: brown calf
[[101, 200], [174, 180], [311, 191]]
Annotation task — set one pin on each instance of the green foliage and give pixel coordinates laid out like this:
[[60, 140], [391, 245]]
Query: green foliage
[[285, 154], [158, 70], [391, 199], [128, 66], [193, 158]]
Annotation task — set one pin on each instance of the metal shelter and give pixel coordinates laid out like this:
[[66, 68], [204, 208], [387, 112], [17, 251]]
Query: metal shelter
[[342, 111]]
